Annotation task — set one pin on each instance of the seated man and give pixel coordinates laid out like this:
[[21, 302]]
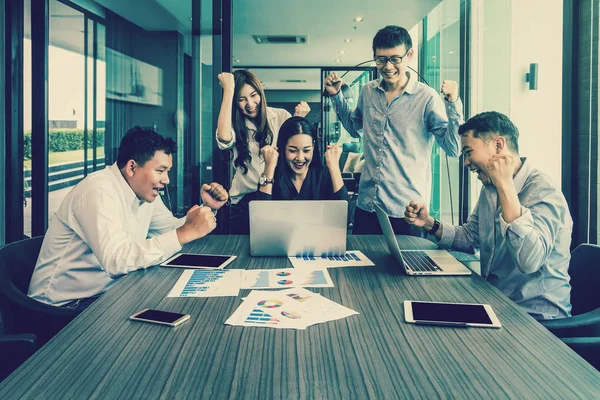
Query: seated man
[[114, 222], [521, 222]]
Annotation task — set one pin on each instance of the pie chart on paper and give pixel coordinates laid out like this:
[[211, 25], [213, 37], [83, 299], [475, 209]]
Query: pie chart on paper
[[269, 303], [291, 315], [285, 282]]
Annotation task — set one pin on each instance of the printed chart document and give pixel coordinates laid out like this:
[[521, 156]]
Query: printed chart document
[[350, 259], [285, 278], [295, 308], [207, 283]]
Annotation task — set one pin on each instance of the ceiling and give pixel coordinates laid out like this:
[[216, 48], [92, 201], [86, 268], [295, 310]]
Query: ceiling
[[327, 26]]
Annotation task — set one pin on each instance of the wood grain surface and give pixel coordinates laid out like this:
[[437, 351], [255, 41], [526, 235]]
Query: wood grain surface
[[377, 355]]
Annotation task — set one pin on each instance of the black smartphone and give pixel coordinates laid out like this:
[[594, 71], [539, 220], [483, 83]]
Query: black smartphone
[[160, 317]]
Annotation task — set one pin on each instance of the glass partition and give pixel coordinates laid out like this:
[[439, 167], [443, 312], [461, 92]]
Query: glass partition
[[441, 50]]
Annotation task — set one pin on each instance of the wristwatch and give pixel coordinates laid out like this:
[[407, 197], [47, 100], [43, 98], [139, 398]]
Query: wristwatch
[[436, 226], [264, 181]]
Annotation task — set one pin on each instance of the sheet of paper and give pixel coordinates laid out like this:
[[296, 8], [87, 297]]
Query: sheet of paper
[[207, 283], [319, 308], [350, 259], [285, 278], [269, 310], [295, 308]]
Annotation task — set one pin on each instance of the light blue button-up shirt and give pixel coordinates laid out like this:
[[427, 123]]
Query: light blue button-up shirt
[[527, 259], [397, 141]]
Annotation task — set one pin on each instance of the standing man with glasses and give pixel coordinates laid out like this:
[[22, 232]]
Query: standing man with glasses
[[398, 118]]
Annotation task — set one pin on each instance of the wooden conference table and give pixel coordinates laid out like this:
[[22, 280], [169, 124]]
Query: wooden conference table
[[102, 354]]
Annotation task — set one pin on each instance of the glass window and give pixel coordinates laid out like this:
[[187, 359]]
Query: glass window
[[27, 120], [441, 51], [66, 101]]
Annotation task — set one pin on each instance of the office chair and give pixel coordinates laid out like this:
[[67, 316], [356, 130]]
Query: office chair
[[20, 313], [587, 347], [584, 270], [14, 350]]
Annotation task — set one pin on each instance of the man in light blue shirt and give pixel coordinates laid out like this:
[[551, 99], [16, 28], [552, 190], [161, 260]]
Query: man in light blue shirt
[[398, 118], [521, 223]]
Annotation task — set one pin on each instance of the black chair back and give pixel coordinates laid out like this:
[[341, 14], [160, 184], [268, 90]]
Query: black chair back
[[20, 313], [584, 270]]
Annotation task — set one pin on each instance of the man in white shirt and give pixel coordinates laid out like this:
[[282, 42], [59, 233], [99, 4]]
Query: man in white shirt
[[114, 222]]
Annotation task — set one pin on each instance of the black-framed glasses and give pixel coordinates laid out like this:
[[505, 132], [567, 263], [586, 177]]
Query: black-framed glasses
[[382, 60]]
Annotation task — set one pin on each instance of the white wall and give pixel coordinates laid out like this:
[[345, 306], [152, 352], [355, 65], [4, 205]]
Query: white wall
[[536, 37], [507, 37]]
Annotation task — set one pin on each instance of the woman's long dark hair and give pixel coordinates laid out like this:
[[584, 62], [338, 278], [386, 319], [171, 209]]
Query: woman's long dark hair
[[292, 127], [263, 133]]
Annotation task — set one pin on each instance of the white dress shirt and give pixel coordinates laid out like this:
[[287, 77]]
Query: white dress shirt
[[101, 232], [241, 183]]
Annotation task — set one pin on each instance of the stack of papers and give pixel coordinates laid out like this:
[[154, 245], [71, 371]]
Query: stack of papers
[[295, 308]]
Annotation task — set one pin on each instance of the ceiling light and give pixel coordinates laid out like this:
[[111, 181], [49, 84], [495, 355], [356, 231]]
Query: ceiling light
[[342, 52], [348, 40], [237, 61], [358, 19], [338, 60], [451, 52], [191, 19]]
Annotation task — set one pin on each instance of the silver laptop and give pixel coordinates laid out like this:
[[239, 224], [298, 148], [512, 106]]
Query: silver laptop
[[419, 262], [298, 227]]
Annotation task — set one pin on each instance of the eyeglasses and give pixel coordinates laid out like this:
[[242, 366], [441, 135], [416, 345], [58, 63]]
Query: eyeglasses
[[393, 59]]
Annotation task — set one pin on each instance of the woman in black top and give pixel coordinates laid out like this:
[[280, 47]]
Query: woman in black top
[[298, 174]]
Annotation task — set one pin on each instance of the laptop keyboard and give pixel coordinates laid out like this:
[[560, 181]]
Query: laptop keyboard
[[419, 261]]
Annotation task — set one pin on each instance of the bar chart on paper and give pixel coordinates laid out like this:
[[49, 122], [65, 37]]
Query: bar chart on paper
[[204, 283], [260, 317], [350, 259], [261, 280]]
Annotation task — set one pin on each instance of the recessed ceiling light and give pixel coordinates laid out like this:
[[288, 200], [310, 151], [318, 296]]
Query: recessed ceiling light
[[358, 19], [237, 61], [342, 52], [348, 40], [451, 52], [338, 60]]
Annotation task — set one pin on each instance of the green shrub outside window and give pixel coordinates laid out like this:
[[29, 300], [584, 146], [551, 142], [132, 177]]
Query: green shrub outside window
[[60, 140]]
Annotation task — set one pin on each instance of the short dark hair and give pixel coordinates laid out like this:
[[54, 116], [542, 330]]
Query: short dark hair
[[391, 36], [140, 144], [488, 125]]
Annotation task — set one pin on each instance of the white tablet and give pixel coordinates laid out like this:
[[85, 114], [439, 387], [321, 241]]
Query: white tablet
[[450, 314], [198, 261]]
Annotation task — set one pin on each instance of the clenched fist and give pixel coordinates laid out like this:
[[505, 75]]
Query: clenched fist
[[333, 84], [270, 155], [450, 91], [302, 109], [227, 81], [199, 222], [332, 157]]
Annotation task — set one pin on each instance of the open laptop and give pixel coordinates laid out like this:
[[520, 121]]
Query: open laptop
[[298, 227], [419, 262]]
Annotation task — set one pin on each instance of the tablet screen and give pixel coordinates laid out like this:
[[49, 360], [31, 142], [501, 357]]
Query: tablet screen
[[198, 261], [442, 312]]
